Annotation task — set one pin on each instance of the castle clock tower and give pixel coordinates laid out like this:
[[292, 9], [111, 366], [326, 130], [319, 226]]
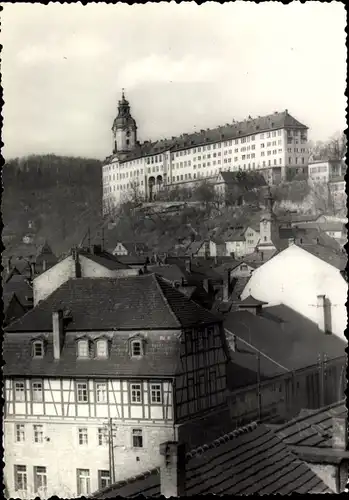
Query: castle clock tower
[[124, 128]]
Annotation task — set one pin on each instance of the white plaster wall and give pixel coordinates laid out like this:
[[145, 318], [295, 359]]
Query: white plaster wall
[[295, 278]]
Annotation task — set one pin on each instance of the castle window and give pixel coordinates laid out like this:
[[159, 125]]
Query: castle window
[[38, 349], [102, 348], [83, 349]]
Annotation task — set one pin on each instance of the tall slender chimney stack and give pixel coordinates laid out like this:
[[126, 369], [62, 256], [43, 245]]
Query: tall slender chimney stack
[[323, 314], [188, 265], [172, 469], [57, 330], [226, 286]]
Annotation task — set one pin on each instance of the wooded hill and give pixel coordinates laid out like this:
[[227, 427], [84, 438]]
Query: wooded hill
[[53, 197]]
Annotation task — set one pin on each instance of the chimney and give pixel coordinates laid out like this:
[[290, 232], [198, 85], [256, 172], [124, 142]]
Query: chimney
[[57, 329], [291, 241], [323, 314], [188, 265], [32, 270], [226, 286], [339, 433], [8, 265], [233, 344], [44, 266], [172, 469], [77, 265], [96, 249]]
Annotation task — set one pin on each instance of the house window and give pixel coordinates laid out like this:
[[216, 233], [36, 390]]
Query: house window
[[83, 481], [83, 439], [38, 349], [101, 392], [102, 348], [103, 479], [20, 477], [38, 433], [102, 436], [40, 478], [37, 392], [81, 390], [83, 350], [136, 348], [137, 438], [155, 393], [19, 391], [20, 433], [136, 393]]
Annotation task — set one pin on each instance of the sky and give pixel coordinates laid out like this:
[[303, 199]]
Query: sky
[[184, 68]]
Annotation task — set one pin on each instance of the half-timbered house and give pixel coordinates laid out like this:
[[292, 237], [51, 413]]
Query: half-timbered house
[[98, 375]]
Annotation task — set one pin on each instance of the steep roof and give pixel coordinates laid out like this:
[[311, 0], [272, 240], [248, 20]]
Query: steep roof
[[285, 336], [312, 428], [160, 358], [137, 302], [170, 272], [251, 301], [226, 132], [18, 284], [249, 460]]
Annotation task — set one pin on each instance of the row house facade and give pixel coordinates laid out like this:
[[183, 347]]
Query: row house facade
[[98, 375], [275, 145]]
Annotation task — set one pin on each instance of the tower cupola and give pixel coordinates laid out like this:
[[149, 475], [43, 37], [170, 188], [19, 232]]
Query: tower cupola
[[124, 128]]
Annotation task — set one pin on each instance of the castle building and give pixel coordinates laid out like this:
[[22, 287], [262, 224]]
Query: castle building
[[275, 144]]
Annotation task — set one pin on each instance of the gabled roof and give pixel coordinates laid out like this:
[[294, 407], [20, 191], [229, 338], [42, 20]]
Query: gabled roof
[[18, 285], [194, 247], [313, 429], [251, 301], [133, 247], [137, 302], [249, 460], [170, 272], [106, 260]]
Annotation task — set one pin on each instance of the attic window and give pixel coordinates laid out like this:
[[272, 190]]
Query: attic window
[[83, 349], [38, 349], [136, 348], [102, 348]]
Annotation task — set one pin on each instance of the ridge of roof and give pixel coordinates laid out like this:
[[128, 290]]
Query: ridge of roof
[[226, 132], [157, 279], [221, 440]]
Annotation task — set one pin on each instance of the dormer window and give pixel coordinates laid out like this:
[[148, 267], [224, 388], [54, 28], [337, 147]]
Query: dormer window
[[102, 348], [38, 349], [137, 347], [83, 348]]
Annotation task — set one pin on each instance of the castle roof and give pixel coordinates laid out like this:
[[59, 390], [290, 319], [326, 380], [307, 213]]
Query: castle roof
[[235, 130]]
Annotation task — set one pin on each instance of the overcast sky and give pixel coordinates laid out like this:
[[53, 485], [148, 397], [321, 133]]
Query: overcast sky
[[184, 67]]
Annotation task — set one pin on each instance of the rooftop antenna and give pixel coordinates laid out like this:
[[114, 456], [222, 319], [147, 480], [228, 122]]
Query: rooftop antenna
[[103, 238], [89, 237]]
